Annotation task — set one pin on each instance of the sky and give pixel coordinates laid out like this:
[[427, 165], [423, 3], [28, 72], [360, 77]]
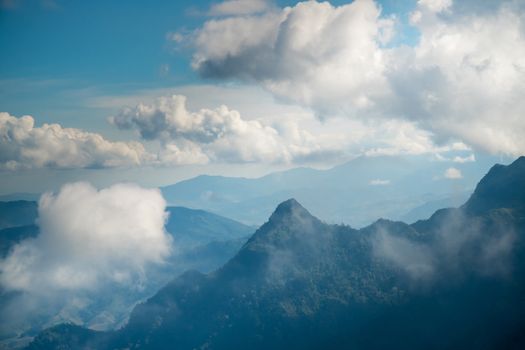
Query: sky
[[158, 92]]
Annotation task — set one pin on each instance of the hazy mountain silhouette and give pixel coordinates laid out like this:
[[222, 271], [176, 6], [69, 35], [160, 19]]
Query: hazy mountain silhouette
[[356, 192], [193, 227], [453, 281]]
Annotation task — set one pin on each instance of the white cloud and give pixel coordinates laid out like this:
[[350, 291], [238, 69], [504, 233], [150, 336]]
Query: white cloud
[[379, 182], [416, 259], [469, 159], [90, 237], [313, 53], [458, 244], [464, 80], [337, 139], [415, 17], [453, 173], [457, 159], [239, 7], [218, 135], [435, 5], [394, 137], [22, 146]]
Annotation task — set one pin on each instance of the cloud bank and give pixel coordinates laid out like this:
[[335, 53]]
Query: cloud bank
[[24, 146], [89, 238], [218, 135], [455, 245], [464, 78], [312, 53]]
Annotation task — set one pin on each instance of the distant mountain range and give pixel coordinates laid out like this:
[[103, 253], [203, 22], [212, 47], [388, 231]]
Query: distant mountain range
[[454, 281], [19, 196], [355, 193]]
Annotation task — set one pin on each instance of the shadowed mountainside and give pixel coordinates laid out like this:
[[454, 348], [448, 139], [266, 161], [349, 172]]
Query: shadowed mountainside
[[453, 281]]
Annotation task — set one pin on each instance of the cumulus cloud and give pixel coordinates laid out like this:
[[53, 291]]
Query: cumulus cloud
[[89, 238], [468, 159], [453, 174], [239, 7], [457, 159], [435, 5], [394, 137], [220, 134], [464, 80], [312, 53], [22, 146], [379, 182], [466, 77]]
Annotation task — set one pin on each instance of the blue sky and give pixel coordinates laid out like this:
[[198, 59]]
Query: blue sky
[[111, 44], [76, 63]]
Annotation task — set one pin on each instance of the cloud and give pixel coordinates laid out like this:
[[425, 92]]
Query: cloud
[[239, 7], [453, 174], [394, 137], [89, 238], [464, 80], [435, 5], [469, 159], [379, 182], [450, 246], [414, 258], [273, 134], [313, 53], [336, 139], [218, 135], [24, 146]]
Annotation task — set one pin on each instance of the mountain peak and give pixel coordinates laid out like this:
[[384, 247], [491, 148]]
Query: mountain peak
[[289, 208], [290, 220], [289, 204], [520, 160], [502, 187]]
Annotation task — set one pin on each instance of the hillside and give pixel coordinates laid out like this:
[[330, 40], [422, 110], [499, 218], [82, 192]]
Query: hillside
[[452, 281]]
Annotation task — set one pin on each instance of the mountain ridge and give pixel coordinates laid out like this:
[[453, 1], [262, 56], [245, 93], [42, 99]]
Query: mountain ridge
[[451, 281], [347, 193], [502, 186]]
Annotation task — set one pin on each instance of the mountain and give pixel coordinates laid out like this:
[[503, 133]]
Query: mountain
[[501, 187], [355, 193], [17, 213], [194, 227], [453, 281], [426, 210], [17, 196]]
